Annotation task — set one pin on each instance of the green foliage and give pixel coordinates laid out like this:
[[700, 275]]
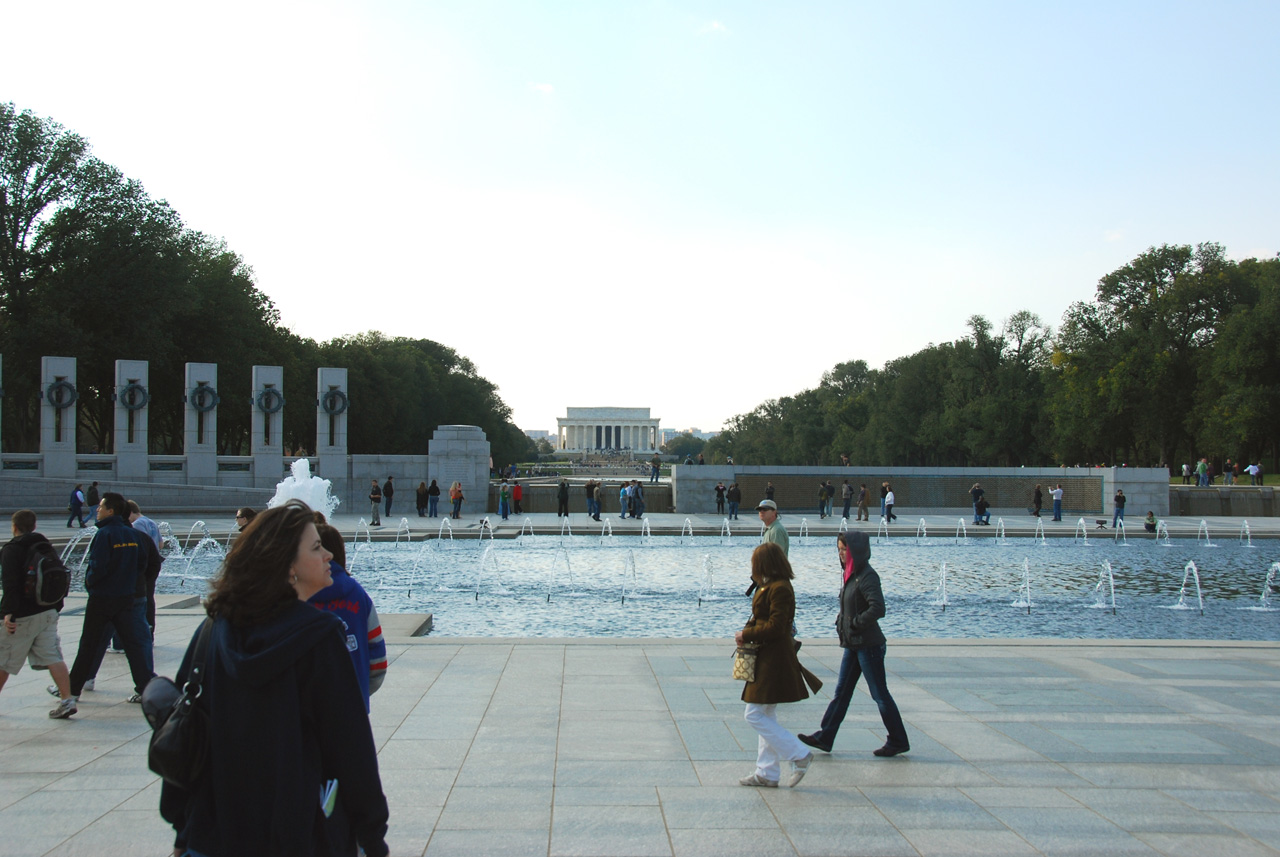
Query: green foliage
[[1174, 358], [684, 444], [91, 266]]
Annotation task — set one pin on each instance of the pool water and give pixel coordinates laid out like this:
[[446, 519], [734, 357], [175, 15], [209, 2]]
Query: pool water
[[631, 586]]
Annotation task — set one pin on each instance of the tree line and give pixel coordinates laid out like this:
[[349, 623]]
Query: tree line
[[1174, 359], [93, 268]]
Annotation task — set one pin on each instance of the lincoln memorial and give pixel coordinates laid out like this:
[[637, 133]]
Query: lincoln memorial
[[589, 429]]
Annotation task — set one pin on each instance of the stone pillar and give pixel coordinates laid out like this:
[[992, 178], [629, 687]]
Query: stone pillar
[[58, 416], [331, 427], [132, 403], [460, 454], [200, 423], [266, 441]]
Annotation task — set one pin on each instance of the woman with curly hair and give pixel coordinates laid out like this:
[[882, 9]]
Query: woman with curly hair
[[287, 722]]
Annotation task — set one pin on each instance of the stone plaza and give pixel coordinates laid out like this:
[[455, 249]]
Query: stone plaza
[[634, 747]]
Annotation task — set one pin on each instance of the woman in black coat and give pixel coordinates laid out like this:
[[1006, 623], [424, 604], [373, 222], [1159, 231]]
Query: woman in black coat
[[286, 715], [861, 608]]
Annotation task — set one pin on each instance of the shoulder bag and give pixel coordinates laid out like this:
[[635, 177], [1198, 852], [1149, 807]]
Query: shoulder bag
[[744, 662], [179, 750]]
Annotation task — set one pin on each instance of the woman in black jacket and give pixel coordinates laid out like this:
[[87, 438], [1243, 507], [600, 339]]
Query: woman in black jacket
[[861, 606], [287, 721]]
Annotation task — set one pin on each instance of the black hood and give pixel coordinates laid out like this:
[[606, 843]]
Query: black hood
[[859, 546], [257, 654]]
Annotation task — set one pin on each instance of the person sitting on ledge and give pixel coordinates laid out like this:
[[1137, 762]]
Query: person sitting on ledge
[[1149, 524]]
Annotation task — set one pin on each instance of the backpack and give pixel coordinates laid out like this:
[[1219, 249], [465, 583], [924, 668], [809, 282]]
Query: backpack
[[47, 580]]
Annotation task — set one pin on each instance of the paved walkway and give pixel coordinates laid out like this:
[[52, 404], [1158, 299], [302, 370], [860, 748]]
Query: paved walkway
[[617, 747]]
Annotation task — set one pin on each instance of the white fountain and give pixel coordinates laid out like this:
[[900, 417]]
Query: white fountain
[[301, 485]]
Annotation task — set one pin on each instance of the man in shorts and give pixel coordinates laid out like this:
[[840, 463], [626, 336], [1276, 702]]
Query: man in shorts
[[30, 630]]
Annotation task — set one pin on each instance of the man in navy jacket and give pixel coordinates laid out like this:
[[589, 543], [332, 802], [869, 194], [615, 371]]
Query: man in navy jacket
[[117, 587]]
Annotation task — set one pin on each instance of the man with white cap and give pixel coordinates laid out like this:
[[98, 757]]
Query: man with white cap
[[773, 530]]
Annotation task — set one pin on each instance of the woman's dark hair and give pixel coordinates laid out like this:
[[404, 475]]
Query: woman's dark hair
[[333, 543], [253, 585], [769, 562], [246, 513], [422, 486]]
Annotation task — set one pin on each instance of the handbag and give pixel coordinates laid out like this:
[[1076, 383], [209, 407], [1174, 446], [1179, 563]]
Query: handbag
[[179, 749], [744, 662]]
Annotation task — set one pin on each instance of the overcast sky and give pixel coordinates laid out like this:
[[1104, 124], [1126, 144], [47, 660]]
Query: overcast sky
[[692, 207]]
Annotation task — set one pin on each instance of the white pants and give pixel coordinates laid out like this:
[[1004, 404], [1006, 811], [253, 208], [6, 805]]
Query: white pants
[[776, 743]]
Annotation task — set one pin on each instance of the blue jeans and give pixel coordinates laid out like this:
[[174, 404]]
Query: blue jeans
[[433, 504], [653, 475], [1118, 516], [733, 509], [1057, 510], [867, 661], [502, 509], [984, 517]]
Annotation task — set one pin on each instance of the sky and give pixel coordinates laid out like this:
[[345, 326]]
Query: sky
[[687, 206]]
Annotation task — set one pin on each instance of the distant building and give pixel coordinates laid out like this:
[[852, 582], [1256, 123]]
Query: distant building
[[537, 434], [612, 429]]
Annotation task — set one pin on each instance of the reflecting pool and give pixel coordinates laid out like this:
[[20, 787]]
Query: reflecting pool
[[667, 586]]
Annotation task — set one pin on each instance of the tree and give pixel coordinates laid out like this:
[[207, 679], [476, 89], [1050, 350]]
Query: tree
[[684, 444]]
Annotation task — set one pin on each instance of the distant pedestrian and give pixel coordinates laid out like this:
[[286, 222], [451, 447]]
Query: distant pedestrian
[[889, 502], [734, 496], [375, 503], [884, 492], [433, 500], [419, 500], [655, 464], [562, 499], [1056, 494], [1150, 523], [455, 496], [93, 497], [388, 491], [846, 494], [75, 505], [822, 500], [720, 490], [976, 493], [504, 499], [1037, 502], [768, 491], [517, 494], [1119, 507], [863, 514]]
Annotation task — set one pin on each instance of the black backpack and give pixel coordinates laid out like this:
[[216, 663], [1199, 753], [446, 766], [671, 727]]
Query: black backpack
[[47, 581]]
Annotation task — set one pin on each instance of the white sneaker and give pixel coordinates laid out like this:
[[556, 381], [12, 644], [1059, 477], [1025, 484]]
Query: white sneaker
[[799, 768], [65, 709], [758, 781]]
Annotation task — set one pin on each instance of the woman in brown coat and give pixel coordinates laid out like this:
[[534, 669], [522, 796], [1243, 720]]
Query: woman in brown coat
[[778, 677]]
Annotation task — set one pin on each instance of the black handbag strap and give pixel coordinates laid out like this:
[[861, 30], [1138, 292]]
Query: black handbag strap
[[196, 677]]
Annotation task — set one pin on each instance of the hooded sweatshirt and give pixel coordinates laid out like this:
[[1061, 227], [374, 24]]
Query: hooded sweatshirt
[[285, 718], [346, 599], [861, 599]]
